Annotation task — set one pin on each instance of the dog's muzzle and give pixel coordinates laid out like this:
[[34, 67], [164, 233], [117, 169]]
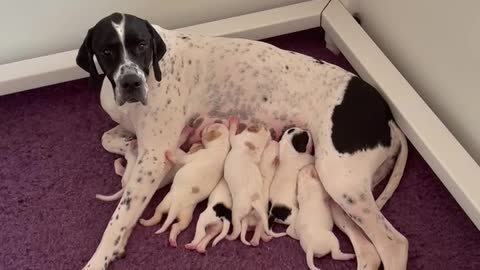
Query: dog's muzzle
[[131, 88]]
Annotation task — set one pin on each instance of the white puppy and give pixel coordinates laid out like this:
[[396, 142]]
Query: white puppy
[[314, 223], [193, 182], [268, 165], [131, 155], [214, 219], [243, 176], [124, 171], [295, 152]]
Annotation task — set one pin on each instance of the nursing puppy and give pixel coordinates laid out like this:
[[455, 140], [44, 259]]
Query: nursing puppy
[[131, 155], [164, 205], [314, 223], [243, 176], [193, 183], [295, 153], [214, 220], [268, 165]]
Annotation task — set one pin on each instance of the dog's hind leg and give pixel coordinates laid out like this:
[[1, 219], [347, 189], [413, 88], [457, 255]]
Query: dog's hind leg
[[223, 233], [184, 219], [350, 188], [337, 254], [162, 208], [239, 211], [367, 255], [212, 231], [206, 217]]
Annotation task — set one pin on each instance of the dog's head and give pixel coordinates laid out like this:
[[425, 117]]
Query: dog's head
[[298, 139], [125, 47], [215, 133]]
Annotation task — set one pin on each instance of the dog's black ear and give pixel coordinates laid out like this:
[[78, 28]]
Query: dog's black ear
[[85, 60], [159, 49]]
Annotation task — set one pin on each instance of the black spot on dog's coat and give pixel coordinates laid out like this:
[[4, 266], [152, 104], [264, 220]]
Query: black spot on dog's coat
[[360, 121], [300, 142], [280, 212], [222, 211]]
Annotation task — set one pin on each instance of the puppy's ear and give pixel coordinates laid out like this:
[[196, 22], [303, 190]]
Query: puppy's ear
[[159, 49], [85, 60]]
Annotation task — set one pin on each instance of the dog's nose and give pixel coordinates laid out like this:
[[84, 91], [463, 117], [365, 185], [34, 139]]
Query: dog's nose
[[130, 82]]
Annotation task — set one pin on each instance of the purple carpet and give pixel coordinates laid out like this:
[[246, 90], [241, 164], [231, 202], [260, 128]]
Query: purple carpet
[[52, 165]]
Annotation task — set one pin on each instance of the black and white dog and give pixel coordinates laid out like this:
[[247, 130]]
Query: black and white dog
[[158, 80]]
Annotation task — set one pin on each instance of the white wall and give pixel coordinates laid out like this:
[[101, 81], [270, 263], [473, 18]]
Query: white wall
[[36, 28], [436, 45]]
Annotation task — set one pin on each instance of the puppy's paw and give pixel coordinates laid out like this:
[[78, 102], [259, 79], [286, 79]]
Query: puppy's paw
[[230, 238], [190, 246], [201, 249], [119, 166], [255, 242], [170, 156], [172, 242], [233, 121]]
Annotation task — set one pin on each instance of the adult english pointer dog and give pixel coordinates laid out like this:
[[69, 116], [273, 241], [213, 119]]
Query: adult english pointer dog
[[159, 80]]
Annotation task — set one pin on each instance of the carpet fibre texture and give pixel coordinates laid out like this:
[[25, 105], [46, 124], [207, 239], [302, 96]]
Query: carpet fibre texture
[[52, 165]]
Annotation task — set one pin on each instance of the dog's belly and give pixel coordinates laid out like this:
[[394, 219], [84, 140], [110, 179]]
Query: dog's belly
[[262, 84]]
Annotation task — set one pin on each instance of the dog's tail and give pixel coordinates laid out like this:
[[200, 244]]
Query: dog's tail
[[243, 233], [309, 254], [262, 214], [398, 169], [108, 198], [206, 218], [226, 227]]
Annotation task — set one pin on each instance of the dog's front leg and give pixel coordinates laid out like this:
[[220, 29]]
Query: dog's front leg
[[117, 140], [147, 174]]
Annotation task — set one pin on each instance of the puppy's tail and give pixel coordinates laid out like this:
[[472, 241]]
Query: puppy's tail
[[262, 214], [223, 233], [206, 218], [310, 258], [243, 234], [398, 169], [108, 198]]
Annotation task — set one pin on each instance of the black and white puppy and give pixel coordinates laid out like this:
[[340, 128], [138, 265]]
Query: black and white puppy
[[295, 152], [126, 47]]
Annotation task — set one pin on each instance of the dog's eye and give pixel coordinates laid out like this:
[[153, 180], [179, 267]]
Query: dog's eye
[[106, 52], [141, 46]]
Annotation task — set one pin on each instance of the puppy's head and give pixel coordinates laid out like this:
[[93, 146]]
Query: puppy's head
[[125, 47], [298, 139], [213, 134], [307, 181], [195, 147]]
